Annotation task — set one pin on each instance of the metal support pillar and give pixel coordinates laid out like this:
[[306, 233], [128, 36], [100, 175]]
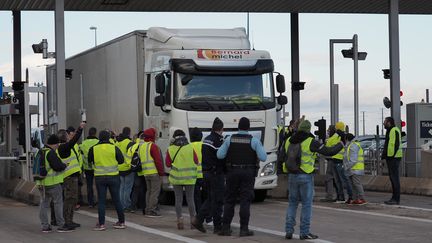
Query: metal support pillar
[[17, 45], [60, 63], [295, 65], [356, 89], [336, 102], [394, 61]]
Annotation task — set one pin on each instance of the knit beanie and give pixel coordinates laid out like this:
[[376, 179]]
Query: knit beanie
[[244, 124], [304, 126], [217, 124]]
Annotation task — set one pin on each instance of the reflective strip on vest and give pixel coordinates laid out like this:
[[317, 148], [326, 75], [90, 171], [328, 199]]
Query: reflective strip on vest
[[52, 177], [307, 156], [105, 160], [72, 163], [198, 150], [332, 141], [392, 143], [184, 169], [147, 161], [360, 158]]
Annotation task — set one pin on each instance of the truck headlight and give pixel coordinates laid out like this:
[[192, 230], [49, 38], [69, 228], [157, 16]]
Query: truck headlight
[[269, 169]]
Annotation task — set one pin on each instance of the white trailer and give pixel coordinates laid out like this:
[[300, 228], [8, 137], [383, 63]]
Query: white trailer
[[177, 79]]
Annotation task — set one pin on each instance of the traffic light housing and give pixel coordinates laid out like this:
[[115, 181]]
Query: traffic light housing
[[321, 133], [386, 73], [387, 102], [297, 86]]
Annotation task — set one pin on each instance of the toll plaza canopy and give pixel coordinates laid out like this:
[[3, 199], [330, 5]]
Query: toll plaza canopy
[[282, 6]]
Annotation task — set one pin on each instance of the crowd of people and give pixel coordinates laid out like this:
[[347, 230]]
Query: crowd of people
[[213, 173]]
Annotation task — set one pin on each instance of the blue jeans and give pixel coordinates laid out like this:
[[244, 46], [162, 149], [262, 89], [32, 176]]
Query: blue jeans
[[113, 184], [301, 189], [126, 184], [342, 181]]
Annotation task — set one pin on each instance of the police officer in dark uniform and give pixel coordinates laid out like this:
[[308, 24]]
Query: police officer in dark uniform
[[214, 179], [242, 153]]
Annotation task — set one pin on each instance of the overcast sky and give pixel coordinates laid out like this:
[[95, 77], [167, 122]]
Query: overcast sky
[[268, 32]]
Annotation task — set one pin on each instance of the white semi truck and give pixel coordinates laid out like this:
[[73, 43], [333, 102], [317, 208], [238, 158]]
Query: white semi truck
[[178, 79]]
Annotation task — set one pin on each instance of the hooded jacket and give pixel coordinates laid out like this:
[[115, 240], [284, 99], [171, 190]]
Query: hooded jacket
[[155, 152], [179, 141], [315, 145]]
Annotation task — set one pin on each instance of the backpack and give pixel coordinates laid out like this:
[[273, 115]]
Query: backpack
[[136, 165], [293, 158], [39, 169]]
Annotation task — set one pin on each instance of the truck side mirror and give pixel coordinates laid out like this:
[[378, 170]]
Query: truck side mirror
[[159, 100], [280, 83], [160, 83], [186, 79], [282, 100]]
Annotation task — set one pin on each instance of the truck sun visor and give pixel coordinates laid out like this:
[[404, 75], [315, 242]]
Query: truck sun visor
[[247, 67]]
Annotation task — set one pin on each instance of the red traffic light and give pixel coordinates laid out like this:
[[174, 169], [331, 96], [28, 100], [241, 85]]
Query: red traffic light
[[401, 93], [403, 124]]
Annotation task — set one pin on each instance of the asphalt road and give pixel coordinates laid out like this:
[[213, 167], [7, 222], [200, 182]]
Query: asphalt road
[[374, 222]]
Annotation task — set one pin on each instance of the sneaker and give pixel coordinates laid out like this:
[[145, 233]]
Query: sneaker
[[340, 200], [119, 225], [77, 207], [391, 202], [217, 230], [349, 201], [65, 229], [153, 214], [309, 236], [288, 236], [99, 227], [75, 225], [47, 230], [210, 223], [244, 233], [359, 202], [198, 225], [225, 232]]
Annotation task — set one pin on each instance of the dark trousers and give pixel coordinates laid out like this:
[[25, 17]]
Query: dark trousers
[[89, 174], [393, 169], [70, 191], [213, 204], [239, 183], [112, 183], [198, 193], [139, 190]]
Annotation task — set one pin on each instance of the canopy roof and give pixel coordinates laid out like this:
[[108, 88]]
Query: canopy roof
[[276, 6]]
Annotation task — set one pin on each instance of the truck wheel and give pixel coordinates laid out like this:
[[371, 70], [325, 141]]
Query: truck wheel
[[166, 198], [260, 195]]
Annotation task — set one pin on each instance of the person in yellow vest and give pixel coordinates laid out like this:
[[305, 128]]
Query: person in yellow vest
[[183, 161], [354, 168], [68, 154], [392, 153], [195, 138], [50, 187], [341, 181], [85, 146], [126, 175], [71, 133], [106, 157], [139, 188], [301, 184], [152, 170]]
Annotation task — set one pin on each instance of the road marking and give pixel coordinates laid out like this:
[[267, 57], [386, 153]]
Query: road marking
[[407, 207], [263, 230], [367, 213], [169, 235]]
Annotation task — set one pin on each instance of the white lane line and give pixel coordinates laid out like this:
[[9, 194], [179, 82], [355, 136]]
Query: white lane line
[[263, 230], [405, 207], [366, 213], [169, 235]]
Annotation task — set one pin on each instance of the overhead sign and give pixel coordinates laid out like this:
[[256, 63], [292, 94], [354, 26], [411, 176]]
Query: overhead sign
[[425, 129]]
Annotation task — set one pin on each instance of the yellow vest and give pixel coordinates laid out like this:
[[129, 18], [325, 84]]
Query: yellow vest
[[183, 170], [198, 150], [126, 166], [307, 156], [360, 159], [53, 177], [85, 147], [147, 160], [73, 165], [105, 162], [332, 141], [287, 143], [392, 143]]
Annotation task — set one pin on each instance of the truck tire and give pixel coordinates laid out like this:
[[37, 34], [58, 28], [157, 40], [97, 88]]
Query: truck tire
[[260, 195], [166, 198]]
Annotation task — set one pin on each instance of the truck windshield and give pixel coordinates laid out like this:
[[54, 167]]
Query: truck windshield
[[201, 92]]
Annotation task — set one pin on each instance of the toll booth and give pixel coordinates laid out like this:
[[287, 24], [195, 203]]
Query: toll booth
[[419, 132]]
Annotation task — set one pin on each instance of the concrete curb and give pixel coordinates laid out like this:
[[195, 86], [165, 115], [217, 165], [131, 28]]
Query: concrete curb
[[21, 190], [409, 185]]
